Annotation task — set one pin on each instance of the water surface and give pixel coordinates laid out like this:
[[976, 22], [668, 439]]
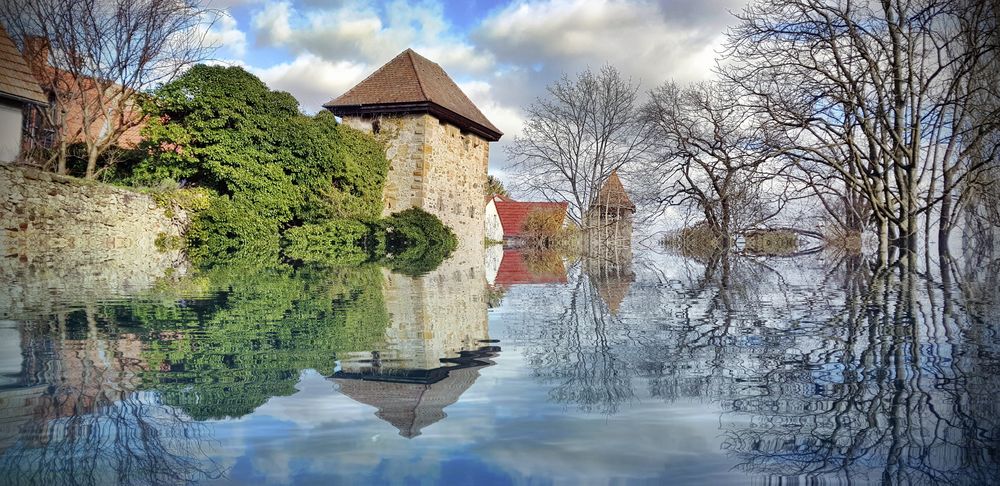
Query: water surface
[[537, 369]]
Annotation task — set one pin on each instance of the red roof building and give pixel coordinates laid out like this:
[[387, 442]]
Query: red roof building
[[512, 214], [107, 110]]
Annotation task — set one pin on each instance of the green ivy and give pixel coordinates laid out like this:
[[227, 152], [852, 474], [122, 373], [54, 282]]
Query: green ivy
[[275, 175]]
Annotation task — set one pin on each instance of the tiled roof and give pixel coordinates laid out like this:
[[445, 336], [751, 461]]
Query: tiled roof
[[16, 80], [513, 213], [613, 195], [413, 83], [538, 268]]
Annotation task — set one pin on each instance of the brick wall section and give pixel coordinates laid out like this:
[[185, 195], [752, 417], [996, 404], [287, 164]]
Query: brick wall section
[[62, 237], [435, 167]]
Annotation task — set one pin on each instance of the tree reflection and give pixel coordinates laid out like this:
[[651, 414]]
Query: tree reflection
[[118, 392], [77, 417], [822, 366]]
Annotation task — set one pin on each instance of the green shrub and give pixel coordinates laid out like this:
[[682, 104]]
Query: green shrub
[[416, 241], [336, 242]]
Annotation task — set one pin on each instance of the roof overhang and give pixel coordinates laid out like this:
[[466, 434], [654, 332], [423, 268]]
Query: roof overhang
[[434, 109], [22, 99]]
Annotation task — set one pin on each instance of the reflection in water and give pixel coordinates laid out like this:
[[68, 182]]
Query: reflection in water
[[817, 368], [411, 399], [821, 370], [431, 352]]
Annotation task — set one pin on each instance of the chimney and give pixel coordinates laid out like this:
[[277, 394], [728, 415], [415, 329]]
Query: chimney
[[36, 52]]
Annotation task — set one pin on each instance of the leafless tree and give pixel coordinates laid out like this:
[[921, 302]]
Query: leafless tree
[[104, 55], [587, 127], [714, 156], [877, 93]]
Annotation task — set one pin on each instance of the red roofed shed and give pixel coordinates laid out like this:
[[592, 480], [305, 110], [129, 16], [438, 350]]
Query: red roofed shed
[[514, 213]]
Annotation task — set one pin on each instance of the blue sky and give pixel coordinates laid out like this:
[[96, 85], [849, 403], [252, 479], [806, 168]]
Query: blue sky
[[501, 53]]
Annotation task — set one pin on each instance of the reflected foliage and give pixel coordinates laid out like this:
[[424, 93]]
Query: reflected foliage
[[227, 354], [116, 393]]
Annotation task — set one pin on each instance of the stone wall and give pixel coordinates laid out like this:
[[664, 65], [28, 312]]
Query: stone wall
[[64, 239], [436, 167]]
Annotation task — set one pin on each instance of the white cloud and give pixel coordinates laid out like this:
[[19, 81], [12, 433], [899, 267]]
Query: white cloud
[[312, 80], [223, 31], [271, 25], [651, 41], [357, 31]]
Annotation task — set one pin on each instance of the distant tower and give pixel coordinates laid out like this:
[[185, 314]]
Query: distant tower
[[437, 140], [608, 222]]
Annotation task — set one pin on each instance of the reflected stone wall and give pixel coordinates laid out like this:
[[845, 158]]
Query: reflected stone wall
[[436, 315]]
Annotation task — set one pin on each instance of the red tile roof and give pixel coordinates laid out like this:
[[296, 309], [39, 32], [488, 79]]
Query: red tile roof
[[16, 80], [413, 83], [518, 268], [513, 213]]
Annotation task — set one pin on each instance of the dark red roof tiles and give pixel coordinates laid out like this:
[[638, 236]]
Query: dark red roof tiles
[[406, 83], [514, 213]]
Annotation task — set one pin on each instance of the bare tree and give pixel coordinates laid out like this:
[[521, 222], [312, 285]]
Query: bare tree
[[876, 93], [714, 156], [588, 127], [104, 55]]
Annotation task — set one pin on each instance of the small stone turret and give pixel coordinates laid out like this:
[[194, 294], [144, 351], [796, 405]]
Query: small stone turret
[[608, 222]]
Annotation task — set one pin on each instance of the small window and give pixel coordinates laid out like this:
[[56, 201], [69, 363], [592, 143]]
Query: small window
[[376, 127]]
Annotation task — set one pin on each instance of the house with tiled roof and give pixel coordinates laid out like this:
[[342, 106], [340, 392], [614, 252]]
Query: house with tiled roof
[[110, 108], [518, 267], [505, 217], [437, 140], [19, 91]]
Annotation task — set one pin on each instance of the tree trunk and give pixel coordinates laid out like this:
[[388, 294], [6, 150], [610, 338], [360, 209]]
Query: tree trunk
[[61, 162], [944, 223], [883, 242], [92, 155]]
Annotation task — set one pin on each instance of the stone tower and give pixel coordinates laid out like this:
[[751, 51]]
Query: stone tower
[[608, 221], [437, 141]]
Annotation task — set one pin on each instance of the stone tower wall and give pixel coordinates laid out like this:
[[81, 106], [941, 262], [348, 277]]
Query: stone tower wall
[[435, 167]]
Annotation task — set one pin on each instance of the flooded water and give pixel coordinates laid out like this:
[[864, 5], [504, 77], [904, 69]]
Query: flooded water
[[537, 369]]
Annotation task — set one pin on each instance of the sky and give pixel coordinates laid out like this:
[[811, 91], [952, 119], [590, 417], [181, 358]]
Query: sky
[[502, 54]]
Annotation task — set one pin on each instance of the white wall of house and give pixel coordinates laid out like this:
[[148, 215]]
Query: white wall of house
[[494, 229], [11, 121]]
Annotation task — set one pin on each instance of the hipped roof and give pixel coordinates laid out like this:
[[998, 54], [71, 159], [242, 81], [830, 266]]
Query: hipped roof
[[413, 83], [613, 195], [16, 80]]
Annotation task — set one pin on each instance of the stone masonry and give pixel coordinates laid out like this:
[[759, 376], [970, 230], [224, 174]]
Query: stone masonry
[[62, 237], [433, 166]]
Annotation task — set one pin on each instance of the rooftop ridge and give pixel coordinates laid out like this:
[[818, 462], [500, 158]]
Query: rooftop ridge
[[416, 72]]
